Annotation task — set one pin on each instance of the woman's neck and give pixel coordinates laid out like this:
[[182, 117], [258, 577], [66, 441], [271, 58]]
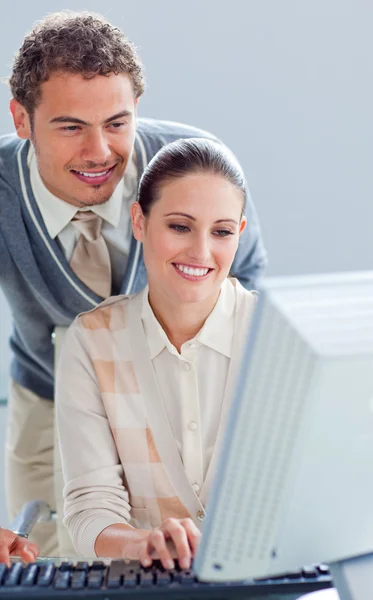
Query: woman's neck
[[180, 321]]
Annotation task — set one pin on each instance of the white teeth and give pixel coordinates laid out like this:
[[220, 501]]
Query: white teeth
[[190, 271], [93, 174]]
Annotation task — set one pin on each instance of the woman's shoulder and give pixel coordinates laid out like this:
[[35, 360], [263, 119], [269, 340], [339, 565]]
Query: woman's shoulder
[[247, 296], [109, 314]]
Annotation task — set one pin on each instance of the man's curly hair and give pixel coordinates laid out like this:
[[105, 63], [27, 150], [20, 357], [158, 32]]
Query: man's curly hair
[[72, 42]]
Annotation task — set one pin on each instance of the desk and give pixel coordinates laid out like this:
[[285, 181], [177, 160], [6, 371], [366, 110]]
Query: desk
[[330, 594]]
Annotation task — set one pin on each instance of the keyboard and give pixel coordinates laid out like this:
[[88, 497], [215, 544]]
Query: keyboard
[[128, 579]]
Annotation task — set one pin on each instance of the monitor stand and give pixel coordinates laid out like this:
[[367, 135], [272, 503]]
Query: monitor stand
[[352, 578]]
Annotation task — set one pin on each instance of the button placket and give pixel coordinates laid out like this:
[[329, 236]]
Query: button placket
[[191, 427]]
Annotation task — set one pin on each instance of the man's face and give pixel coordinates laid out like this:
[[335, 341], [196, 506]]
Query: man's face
[[83, 132]]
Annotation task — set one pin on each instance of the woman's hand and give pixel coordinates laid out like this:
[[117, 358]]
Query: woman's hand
[[177, 538], [13, 545]]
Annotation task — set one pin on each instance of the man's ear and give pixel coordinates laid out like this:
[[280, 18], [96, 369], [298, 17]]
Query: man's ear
[[138, 222], [21, 119]]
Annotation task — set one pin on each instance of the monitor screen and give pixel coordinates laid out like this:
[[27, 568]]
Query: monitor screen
[[294, 480]]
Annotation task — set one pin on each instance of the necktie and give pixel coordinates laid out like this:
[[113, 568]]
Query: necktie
[[90, 260]]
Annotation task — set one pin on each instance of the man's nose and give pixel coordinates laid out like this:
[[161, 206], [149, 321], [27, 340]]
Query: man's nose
[[96, 148]]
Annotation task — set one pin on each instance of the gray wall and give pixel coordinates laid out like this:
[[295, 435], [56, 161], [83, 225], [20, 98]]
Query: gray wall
[[287, 84]]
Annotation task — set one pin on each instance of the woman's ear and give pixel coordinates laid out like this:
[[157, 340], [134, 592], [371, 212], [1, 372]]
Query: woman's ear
[[242, 224], [138, 221]]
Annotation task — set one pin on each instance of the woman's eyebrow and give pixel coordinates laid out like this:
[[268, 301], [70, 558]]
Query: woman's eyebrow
[[181, 214]]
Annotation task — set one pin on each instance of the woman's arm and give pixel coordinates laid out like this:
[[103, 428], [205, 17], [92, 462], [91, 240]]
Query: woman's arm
[[97, 509], [94, 493]]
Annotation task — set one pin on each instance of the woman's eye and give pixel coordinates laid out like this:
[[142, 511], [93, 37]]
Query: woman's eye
[[223, 232], [179, 228]]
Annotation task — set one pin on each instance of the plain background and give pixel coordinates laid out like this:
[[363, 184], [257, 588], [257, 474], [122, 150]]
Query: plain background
[[287, 84]]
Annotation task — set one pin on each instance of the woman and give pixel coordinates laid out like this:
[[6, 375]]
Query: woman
[[145, 381]]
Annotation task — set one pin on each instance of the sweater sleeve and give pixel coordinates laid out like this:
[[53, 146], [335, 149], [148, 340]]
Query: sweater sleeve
[[94, 494]]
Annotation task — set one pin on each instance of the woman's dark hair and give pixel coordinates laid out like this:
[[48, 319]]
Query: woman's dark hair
[[184, 157]]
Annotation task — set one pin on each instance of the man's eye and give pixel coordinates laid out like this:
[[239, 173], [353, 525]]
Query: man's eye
[[117, 125], [179, 228], [70, 128], [223, 232]]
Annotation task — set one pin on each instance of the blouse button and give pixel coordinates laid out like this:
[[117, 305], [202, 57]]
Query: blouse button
[[196, 487], [186, 366], [200, 515], [192, 426]]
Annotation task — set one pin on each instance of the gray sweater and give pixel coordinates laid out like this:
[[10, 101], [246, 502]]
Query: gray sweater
[[42, 290]]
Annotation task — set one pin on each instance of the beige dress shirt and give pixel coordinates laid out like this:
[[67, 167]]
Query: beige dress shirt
[[113, 428], [192, 383]]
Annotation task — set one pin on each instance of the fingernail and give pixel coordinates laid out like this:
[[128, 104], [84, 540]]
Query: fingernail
[[170, 564], [184, 563], [146, 562]]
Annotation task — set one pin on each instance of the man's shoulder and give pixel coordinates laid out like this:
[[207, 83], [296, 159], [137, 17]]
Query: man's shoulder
[[10, 145], [167, 131]]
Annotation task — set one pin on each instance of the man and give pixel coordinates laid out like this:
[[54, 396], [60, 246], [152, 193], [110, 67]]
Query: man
[[13, 545], [65, 237]]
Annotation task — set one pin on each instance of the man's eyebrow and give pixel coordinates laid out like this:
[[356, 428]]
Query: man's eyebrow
[[181, 214], [68, 119]]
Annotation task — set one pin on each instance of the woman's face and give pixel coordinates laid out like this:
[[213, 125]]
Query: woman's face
[[190, 236]]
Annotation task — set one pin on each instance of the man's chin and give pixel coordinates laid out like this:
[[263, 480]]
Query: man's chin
[[93, 201], [95, 197]]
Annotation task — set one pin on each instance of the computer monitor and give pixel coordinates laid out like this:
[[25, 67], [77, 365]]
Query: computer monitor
[[294, 483]]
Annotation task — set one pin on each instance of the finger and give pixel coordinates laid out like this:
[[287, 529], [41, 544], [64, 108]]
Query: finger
[[144, 553], [28, 552], [4, 554], [193, 533], [157, 541], [179, 537]]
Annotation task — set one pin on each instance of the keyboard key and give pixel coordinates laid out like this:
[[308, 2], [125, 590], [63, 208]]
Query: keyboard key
[[13, 575], [130, 580], [66, 566], [186, 578], [95, 579], [3, 570], [294, 575], [323, 569], [309, 572], [46, 574], [82, 566], [147, 579], [62, 580], [163, 578], [29, 575], [116, 572], [97, 565], [78, 580]]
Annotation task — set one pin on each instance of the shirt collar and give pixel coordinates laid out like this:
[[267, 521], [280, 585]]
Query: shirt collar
[[216, 333], [57, 213]]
